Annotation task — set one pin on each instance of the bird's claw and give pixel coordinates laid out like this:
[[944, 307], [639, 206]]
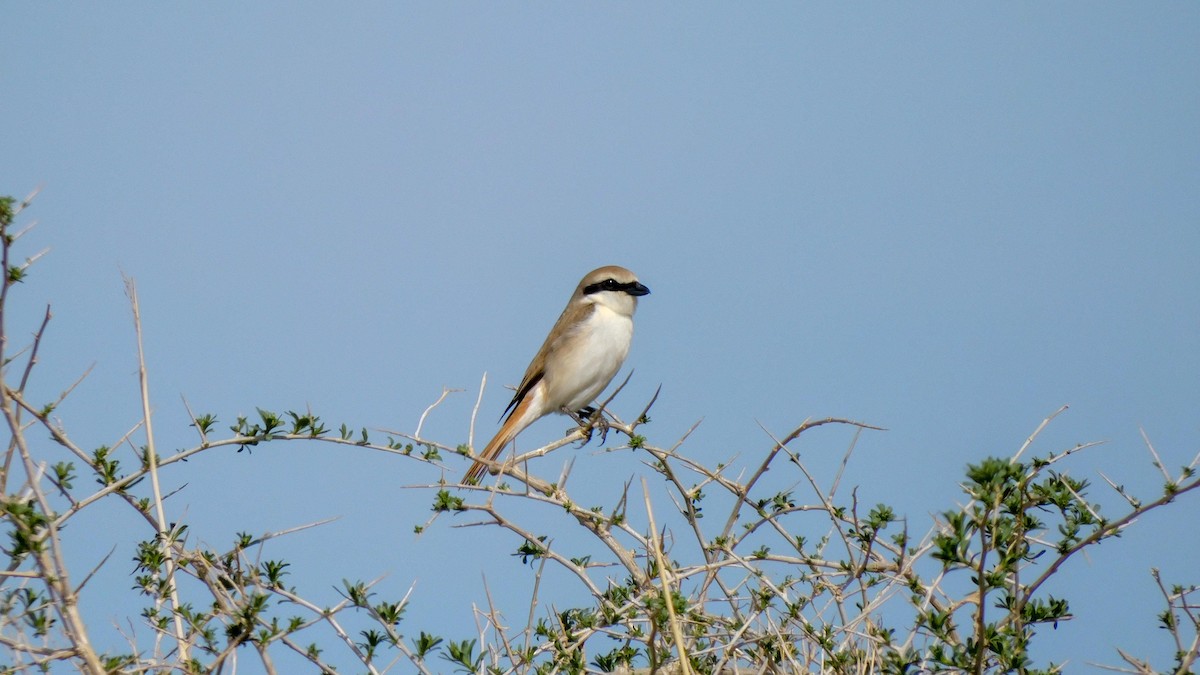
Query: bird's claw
[[596, 421], [603, 424], [589, 419]]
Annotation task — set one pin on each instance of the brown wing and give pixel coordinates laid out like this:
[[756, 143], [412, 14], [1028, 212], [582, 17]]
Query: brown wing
[[574, 314]]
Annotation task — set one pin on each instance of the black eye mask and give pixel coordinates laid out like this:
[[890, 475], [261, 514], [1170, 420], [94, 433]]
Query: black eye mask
[[632, 288]]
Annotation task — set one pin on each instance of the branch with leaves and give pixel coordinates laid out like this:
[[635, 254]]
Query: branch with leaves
[[745, 566]]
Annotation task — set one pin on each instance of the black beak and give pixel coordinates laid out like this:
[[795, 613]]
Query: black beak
[[636, 288]]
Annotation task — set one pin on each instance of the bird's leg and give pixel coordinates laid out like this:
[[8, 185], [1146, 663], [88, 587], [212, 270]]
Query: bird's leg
[[588, 419], [581, 418], [598, 420]]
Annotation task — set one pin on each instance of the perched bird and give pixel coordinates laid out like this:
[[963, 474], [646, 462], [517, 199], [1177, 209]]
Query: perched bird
[[579, 358]]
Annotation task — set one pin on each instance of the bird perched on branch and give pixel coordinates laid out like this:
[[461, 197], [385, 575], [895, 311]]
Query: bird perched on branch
[[580, 356]]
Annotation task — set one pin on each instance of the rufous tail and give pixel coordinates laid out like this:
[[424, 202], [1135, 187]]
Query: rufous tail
[[512, 426]]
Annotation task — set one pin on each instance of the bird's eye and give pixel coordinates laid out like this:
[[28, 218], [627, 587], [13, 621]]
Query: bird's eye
[[611, 285]]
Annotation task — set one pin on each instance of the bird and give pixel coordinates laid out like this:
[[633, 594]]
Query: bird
[[580, 356]]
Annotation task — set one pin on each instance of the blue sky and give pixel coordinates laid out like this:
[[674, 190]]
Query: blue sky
[[947, 220]]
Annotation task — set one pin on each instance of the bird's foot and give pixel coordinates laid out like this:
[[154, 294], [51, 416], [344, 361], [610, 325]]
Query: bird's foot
[[603, 425], [589, 419]]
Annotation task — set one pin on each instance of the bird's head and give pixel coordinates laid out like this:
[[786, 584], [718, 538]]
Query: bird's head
[[614, 287]]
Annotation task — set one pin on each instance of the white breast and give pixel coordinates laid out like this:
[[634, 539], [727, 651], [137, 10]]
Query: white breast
[[588, 362]]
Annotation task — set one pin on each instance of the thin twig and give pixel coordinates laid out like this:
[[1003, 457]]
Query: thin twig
[[164, 535], [475, 411], [1029, 441], [446, 391], [664, 575]]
